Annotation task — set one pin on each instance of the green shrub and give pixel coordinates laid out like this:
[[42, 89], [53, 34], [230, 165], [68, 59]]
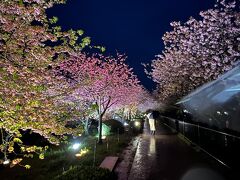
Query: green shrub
[[86, 173]]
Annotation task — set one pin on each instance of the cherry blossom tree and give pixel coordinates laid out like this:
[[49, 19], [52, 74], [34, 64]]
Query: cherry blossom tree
[[26, 77], [106, 82], [198, 51]]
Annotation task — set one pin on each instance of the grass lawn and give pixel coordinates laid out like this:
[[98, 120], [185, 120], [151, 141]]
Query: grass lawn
[[59, 159]]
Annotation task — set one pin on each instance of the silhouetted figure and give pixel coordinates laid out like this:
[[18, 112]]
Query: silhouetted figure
[[151, 121]]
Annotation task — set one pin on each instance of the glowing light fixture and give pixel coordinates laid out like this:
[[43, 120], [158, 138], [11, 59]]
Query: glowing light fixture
[[76, 146], [82, 152], [137, 123], [225, 112], [6, 161], [78, 155]]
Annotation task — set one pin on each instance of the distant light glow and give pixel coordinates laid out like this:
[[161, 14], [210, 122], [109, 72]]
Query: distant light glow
[[218, 112], [225, 112], [136, 123], [186, 111], [125, 124], [76, 146]]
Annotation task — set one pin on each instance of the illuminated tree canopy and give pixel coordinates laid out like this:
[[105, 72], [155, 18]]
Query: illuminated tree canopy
[[26, 76], [106, 82], [46, 79], [198, 51]]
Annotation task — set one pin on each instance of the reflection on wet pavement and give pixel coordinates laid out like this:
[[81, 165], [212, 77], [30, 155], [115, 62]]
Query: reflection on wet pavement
[[165, 157], [152, 146], [122, 169]]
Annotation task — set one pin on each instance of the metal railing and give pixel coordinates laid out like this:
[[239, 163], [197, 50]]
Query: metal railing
[[222, 146]]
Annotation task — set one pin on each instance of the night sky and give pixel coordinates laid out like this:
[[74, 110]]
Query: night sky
[[132, 27]]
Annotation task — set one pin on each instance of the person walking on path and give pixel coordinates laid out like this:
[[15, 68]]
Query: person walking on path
[[151, 121]]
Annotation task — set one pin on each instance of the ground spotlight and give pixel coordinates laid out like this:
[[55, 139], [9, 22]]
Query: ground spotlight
[[76, 146], [6, 161]]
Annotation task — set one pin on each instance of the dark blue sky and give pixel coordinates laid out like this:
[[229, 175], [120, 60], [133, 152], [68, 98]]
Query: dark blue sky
[[133, 27]]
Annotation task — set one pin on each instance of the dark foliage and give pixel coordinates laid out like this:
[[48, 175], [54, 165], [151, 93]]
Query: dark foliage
[[115, 126]]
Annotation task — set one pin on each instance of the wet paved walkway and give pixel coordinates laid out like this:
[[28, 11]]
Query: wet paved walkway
[[166, 157]]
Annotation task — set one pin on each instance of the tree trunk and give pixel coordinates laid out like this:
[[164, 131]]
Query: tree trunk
[[130, 115], [100, 115], [100, 129], [86, 127], [101, 112]]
